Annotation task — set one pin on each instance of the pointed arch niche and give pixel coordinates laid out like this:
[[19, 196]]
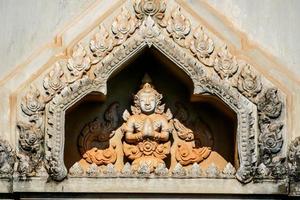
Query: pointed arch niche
[[241, 113]]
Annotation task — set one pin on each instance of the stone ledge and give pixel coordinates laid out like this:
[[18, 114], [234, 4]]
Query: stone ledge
[[149, 185], [5, 186]]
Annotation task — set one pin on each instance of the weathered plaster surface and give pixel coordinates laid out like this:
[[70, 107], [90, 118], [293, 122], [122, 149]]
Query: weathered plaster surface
[[273, 24], [27, 25]]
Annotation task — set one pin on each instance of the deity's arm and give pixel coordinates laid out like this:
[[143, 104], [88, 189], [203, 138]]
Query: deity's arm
[[164, 133], [130, 135]]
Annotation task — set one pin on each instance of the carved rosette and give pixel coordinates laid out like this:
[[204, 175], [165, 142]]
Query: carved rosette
[[153, 8], [225, 64], [249, 83], [101, 44], [202, 47], [79, 63], [178, 27], [149, 152], [123, 26], [53, 82]]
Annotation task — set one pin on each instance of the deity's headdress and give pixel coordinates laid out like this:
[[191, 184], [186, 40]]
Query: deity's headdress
[[148, 88]]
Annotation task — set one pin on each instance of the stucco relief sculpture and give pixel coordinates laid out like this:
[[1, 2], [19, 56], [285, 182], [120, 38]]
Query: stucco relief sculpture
[[259, 105], [153, 141]]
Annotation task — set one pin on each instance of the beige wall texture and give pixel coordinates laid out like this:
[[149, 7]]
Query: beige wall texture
[[27, 25]]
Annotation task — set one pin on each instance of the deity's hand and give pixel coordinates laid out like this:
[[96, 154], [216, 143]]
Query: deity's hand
[[148, 129]]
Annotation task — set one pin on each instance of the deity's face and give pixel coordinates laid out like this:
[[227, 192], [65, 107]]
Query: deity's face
[[147, 102]]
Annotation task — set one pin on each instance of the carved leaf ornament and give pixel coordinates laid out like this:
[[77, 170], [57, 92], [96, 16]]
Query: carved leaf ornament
[[203, 59]]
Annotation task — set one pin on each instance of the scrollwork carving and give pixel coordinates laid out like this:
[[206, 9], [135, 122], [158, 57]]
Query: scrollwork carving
[[101, 157], [178, 27], [186, 154], [225, 64], [98, 132]]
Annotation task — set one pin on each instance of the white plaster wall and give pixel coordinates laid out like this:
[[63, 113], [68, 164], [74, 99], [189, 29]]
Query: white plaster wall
[[273, 24], [27, 25], [30, 24]]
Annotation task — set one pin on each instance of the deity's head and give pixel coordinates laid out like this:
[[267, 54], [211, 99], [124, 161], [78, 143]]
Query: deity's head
[[147, 99]]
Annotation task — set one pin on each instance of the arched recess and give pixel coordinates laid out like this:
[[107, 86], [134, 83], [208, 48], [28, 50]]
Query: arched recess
[[245, 110]]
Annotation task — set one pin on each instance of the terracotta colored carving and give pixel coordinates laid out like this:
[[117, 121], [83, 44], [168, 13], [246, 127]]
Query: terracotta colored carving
[[147, 130], [186, 154]]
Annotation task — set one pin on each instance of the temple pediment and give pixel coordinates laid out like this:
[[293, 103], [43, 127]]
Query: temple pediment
[[228, 121]]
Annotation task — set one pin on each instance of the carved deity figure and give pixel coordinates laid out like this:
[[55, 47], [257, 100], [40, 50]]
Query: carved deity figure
[[147, 131], [149, 137]]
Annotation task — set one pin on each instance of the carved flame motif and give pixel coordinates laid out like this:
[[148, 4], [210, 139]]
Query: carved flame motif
[[152, 8], [79, 63], [32, 102], [149, 29], [53, 82], [249, 83], [186, 154], [183, 132], [101, 44], [225, 64], [202, 46], [123, 26], [178, 26]]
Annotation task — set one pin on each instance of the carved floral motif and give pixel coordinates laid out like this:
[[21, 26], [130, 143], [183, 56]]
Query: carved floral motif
[[101, 44], [152, 8], [202, 46], [123, 26], [7, 159], [294, 159], [178, 26], [225, 64], [79, 63], [269, 104], [249, 83]]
